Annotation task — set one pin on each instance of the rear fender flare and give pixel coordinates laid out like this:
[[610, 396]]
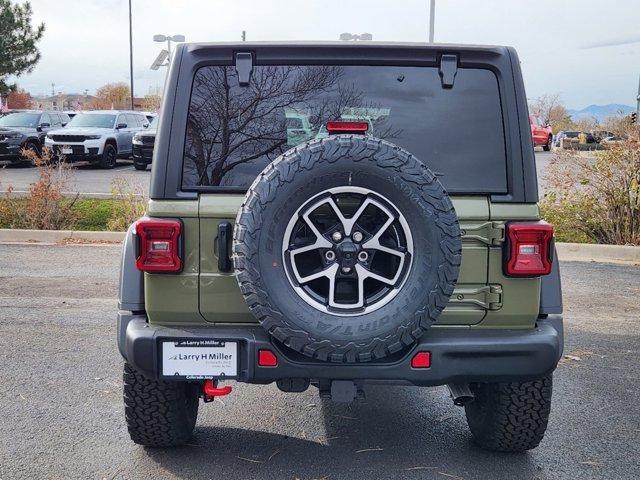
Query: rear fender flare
[[131, 290]]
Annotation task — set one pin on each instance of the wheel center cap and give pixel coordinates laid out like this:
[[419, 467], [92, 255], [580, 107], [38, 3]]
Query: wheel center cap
[[347, 253]]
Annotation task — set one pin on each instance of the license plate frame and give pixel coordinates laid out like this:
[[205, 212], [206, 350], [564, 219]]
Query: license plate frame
[[198, 358], [66, 151]]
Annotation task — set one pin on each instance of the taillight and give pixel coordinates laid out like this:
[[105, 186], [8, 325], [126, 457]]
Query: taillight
[[529, 249], [339, 126], [159, 245]]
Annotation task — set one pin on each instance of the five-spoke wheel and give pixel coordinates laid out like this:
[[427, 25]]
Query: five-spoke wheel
[[347, 251]]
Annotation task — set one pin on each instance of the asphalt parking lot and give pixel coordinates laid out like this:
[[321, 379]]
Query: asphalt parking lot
[[62, 412], [88, 180]]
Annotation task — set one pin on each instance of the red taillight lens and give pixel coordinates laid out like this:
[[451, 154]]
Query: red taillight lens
[[529, 249], [421, 360], [159, 245], [347, 127], [266, 358]]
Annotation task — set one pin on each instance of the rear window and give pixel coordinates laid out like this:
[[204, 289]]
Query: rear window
[[233, 132]]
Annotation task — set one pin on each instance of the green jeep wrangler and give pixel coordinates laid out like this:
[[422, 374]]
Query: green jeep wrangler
[[339, 214]]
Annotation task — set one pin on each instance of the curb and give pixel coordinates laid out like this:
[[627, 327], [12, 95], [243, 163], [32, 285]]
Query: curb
[[587, 252], [59, 236], [568, 252]]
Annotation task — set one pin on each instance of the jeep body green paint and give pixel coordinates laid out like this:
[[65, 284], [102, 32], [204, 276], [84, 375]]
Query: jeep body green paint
[[220, 300]]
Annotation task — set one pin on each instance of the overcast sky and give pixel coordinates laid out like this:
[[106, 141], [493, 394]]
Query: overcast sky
[[586, 50]]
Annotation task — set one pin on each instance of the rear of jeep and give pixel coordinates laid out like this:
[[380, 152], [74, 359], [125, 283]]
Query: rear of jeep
[[335, 215]]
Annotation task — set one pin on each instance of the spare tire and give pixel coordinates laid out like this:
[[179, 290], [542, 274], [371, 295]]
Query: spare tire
[[347, 248]]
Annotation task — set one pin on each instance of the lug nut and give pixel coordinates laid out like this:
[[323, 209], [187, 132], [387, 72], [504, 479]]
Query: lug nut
[[357, 236], [363, 256], [329, 255], [346, 269], [337, 236]]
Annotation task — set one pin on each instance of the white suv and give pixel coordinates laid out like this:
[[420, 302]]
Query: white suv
[[100, 136]]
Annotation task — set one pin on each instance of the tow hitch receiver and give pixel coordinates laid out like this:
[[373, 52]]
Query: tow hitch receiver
[[341, 391], [210, 390]]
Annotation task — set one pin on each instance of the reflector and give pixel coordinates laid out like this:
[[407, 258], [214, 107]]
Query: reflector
[[421, 360], [266, 358]]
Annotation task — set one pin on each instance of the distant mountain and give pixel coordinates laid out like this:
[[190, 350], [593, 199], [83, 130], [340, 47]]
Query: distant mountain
[[600, 112]]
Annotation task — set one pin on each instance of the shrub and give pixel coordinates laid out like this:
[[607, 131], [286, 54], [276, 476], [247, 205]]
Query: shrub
[[130, 204], [596, 199], [45, 208]]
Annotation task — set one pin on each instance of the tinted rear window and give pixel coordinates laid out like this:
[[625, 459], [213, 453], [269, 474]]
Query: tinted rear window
[[233, 132]]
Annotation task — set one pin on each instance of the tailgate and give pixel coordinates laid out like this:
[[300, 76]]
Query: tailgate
[[222, 302]]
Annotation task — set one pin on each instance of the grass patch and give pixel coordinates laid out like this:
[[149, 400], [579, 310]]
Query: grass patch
[[88, 213]]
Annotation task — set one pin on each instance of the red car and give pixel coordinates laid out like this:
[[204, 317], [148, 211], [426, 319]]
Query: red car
[[541, 133]]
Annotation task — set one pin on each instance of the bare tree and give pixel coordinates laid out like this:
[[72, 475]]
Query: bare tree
[[230, 125], [551, 111]]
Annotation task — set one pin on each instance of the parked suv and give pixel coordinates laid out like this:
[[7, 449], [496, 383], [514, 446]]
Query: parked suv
[[99, 137], [26, 130], [143, 146], [389, 249]]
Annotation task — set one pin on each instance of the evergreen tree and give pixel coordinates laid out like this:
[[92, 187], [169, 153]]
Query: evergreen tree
[[18, 38]]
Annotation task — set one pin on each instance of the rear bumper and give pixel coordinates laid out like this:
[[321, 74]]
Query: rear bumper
[[458, 355]]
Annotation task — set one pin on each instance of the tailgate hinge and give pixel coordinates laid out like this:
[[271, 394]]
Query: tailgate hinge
[[448, 70], [488, 297], [244, 66], [489, 233]]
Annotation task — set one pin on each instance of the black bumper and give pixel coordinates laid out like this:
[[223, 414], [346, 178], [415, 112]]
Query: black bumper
[[142, 154], [80, 154], [10, 152], [458, 355]]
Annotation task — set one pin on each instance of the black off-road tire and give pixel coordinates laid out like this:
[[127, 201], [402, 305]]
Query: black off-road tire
[[547, 146], [307, 170], [159, 413], [109, 157], [510, 417]]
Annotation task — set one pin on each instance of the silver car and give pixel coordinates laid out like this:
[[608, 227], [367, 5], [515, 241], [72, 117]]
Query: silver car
[[100, 136]]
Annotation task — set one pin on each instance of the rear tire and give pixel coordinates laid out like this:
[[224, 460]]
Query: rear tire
[[109, 157], [547, 147], [159, 413], [510, 417], [139, 166]]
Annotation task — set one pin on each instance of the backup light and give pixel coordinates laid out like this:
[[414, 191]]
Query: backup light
[[529, 249], [159, 245]]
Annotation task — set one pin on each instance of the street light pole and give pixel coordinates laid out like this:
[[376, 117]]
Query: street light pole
[[432, 20], [168, 39], [131, 53]]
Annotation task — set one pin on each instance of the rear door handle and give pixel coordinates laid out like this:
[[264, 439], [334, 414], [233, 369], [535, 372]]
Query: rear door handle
[[224, 247]]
